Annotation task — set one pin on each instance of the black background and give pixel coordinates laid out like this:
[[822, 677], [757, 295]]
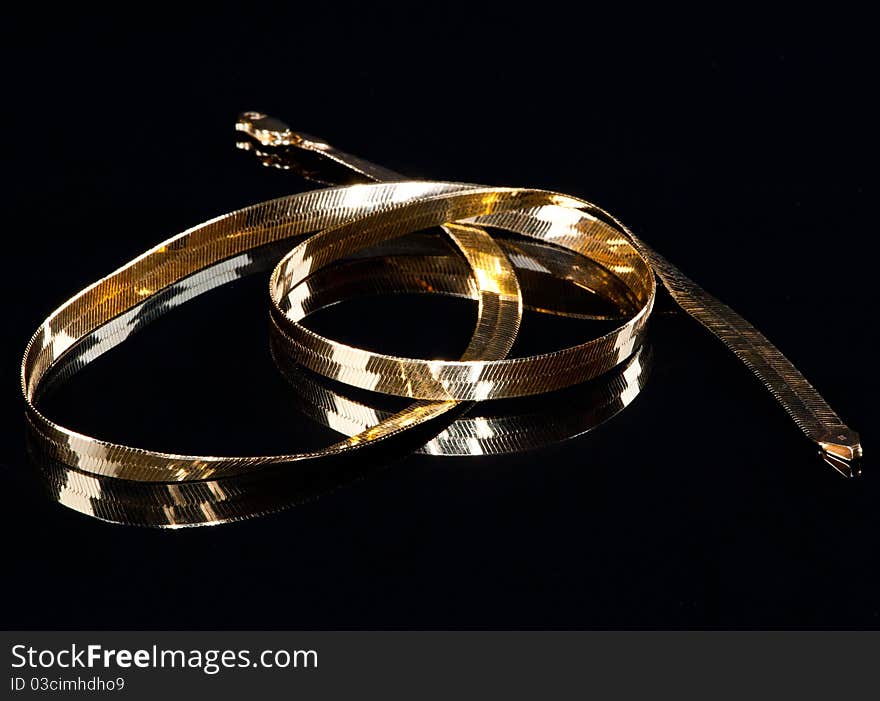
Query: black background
[[745, 161]]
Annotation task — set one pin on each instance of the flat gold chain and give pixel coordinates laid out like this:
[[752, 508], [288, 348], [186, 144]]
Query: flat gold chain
[[324, 228]]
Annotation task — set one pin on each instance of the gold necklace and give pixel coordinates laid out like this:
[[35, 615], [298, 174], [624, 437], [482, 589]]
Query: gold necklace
[[325, 231]]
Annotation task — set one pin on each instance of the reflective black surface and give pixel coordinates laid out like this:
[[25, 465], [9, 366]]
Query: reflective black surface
[[699, 505]]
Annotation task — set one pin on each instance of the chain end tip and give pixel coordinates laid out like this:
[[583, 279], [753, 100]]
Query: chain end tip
[[843, 451], [272, 132], [266, 130]]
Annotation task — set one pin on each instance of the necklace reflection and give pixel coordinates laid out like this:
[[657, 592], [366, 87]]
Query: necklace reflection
[[473, 430]]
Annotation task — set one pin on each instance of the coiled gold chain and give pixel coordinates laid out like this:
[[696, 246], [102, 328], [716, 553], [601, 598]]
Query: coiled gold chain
[[330, 234]]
